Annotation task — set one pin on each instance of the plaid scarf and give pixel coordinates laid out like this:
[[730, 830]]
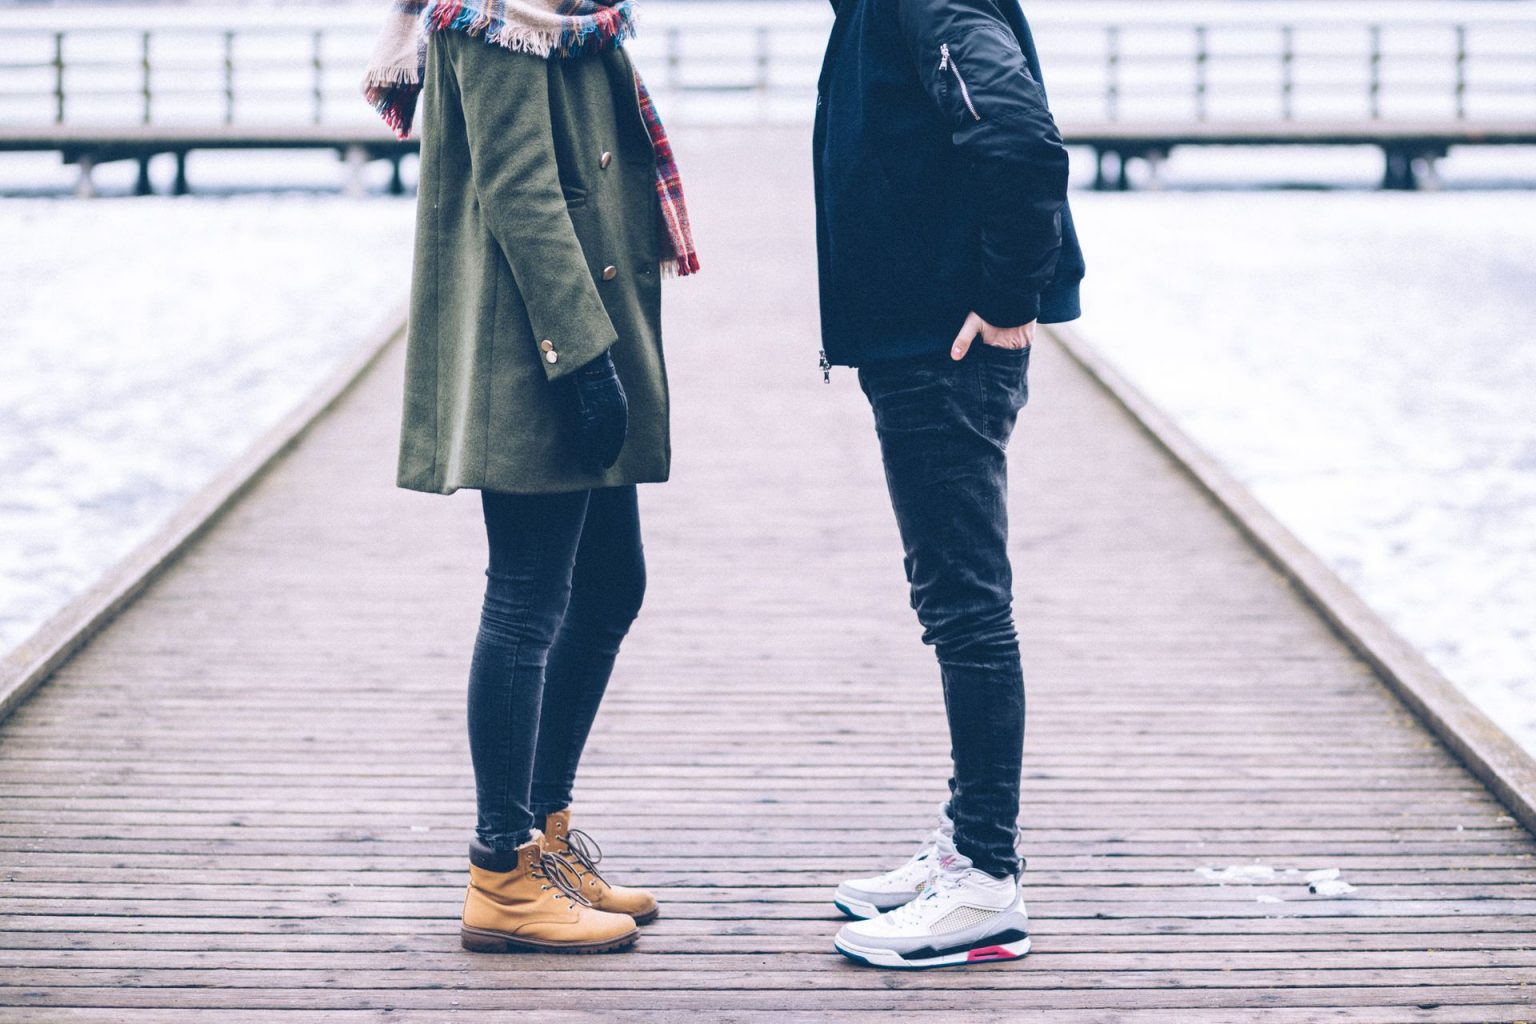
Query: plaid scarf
[[545, 28]]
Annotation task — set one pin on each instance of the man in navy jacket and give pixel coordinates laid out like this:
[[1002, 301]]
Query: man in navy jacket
[[944, 237]]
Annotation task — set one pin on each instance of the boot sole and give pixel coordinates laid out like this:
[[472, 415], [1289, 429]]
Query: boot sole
[[481, 940], [648, 916]]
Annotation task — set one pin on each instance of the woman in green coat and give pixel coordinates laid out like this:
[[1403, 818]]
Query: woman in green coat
[[549, 209]]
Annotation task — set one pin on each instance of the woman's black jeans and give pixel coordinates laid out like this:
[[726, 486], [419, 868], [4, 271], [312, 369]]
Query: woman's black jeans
[[566, 579], [944, 428]]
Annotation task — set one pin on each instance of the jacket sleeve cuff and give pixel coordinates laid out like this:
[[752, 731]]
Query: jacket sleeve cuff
[[563, 352], [1007, 310]]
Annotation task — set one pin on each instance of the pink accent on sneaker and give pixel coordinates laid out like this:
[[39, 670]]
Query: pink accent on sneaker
[[948, 861], [988, 953]]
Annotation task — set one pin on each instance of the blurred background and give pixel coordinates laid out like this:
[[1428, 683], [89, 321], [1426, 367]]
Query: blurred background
[[1310, 230]]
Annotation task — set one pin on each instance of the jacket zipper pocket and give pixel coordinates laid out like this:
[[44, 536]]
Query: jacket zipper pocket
[[948, 63]]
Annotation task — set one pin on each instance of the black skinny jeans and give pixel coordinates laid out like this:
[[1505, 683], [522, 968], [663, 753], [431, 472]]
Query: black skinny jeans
[[566, 579], [944, 428]]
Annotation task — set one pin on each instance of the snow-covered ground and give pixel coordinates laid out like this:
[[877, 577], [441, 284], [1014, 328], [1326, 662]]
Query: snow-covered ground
[[1363, 361], [145, 343]]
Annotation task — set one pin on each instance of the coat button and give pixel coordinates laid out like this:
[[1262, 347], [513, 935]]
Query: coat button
[[609, 273], [551, 358], [607, 159], [546, 346]]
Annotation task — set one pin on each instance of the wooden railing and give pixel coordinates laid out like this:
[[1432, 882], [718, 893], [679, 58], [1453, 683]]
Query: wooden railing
[[1262, 69], [1259, 65]]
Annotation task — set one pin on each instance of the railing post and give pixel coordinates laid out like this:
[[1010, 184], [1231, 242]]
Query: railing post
[[1202, 65], [1288, 72], [319, 75], [356, 158], [229, 78], [148, 83], [674, 57], [1112, 73], [1375, 72], [58, 77], [1461, 72], [764, 59], [85, 185]]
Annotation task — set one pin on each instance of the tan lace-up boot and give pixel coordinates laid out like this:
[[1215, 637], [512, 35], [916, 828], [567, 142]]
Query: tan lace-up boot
[[583, 854], [535, 906]]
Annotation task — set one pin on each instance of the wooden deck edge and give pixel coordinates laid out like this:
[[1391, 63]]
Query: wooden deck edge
[[1486, 750], [39, 656]]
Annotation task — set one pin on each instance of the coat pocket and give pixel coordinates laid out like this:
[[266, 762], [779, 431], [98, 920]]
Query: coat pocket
[[948, 63], [983, 76]]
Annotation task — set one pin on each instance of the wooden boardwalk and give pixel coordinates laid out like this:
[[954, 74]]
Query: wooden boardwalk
[[249, 799]]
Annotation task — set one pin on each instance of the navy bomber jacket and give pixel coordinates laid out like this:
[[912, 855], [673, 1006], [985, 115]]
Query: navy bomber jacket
[[941, 179]]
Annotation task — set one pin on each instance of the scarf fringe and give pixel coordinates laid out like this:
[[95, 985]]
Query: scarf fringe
[[384, 78], [611, 26], [396, 104], [680, 266]]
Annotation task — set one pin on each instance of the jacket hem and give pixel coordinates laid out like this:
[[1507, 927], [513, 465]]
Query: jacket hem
[[452, 487], [891, 347]]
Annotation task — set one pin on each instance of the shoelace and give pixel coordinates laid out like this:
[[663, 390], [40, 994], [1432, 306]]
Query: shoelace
[[931, 846], [928, 852], [586, 853], [558, 871], [939, 881]]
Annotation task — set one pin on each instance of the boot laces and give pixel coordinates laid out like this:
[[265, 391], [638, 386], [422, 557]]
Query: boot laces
[[562, 875], [586, 854]]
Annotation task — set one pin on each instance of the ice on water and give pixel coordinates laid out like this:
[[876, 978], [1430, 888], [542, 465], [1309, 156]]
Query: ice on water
[[1363, 362], [144, 344]]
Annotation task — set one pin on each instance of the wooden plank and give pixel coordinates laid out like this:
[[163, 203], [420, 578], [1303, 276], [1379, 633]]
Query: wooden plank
[[898, 996], [1454, 1014]]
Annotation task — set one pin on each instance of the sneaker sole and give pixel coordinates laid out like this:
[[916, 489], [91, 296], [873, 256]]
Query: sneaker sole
[[856, 909], [482, 940], [982, 954], [863, 910]]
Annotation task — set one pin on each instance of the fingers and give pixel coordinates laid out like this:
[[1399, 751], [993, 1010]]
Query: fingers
[[967, 335]]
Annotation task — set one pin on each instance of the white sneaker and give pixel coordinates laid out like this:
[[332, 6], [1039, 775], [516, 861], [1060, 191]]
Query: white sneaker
[[964, 916], [864, 898]]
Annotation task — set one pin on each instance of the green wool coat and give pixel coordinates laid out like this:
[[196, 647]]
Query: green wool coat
[[538, 246]]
